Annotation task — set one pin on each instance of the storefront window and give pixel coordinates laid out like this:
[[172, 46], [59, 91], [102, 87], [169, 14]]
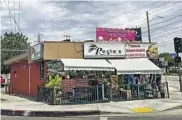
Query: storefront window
[[42, 70]]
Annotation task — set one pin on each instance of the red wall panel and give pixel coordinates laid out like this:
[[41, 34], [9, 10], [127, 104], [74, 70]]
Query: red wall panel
[[20, 78], [35, 80]]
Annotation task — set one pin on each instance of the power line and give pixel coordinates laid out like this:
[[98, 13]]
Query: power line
[[164, 7], [150, 12], [19, 14], [169, 10], [10, 19], [38, 37], [143, 23], [14, 13], [12, 16], [169, 43], [159, 13], [12, 50], [167, 20], [165, 42], [159, 34], [168, 33], [163, 26], [131, 11]]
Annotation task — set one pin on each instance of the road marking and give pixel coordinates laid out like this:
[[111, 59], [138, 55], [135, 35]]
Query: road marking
[[142, 110], [103, 118]]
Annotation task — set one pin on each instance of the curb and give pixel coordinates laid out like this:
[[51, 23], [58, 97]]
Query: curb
[[174, 108], [47, 113]]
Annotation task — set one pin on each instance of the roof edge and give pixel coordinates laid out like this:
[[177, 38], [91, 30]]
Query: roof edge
[[17, 58]]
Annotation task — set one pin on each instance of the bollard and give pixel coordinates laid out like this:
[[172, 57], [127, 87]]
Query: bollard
[[97, 92], [103, 94]]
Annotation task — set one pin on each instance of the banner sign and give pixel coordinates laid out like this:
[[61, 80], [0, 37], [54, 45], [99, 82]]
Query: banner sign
[[138, 33], [114, 34], [104, 50], [37, 52], [141, 50]]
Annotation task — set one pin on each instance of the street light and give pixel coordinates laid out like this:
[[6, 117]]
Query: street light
[[148, 24]]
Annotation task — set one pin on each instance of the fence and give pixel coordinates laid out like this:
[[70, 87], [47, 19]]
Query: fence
[[103, 93], [45, 95], [140, 91]]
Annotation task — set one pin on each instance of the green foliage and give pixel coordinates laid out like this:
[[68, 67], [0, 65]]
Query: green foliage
[[54, 80], [168, 58], [12, 41]]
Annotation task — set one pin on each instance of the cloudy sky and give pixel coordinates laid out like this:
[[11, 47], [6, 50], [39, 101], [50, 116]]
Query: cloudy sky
[[79, 19]]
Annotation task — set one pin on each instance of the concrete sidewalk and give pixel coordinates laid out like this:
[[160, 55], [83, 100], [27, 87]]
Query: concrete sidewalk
[[13, 105]]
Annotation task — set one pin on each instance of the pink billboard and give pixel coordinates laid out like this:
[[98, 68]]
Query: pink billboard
[[114, 34]]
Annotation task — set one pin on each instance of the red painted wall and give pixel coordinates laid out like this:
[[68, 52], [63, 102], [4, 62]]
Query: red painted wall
[[20, 78]]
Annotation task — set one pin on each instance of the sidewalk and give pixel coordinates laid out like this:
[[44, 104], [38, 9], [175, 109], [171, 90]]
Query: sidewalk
[[13, 105]]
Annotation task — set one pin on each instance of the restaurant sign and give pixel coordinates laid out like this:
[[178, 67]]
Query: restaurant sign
[[37, 52], [104, 50], [114, 34], [141, 50]]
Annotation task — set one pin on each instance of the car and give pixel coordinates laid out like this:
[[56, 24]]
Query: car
[[2, 81]]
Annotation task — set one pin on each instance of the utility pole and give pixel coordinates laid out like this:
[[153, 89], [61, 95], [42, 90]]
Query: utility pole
[[148, 25], [178, 49], [39, 37], [179, 73]]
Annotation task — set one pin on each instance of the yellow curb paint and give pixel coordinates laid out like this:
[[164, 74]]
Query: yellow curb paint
[[142, 110]]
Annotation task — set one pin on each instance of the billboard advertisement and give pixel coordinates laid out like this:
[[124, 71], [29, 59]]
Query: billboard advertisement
[[138, 33], [141, 50], [104, 50], [114, 34]]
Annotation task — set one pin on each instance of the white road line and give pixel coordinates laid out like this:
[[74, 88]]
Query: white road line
[[103, 118]]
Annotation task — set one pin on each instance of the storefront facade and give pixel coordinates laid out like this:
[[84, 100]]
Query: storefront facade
[[83, 56]]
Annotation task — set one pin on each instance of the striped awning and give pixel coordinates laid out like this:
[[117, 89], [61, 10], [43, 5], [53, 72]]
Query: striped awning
[[87, 64], [135, 66]]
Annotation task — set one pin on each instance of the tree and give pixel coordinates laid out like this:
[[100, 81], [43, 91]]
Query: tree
[[11, 41], [168, 58]]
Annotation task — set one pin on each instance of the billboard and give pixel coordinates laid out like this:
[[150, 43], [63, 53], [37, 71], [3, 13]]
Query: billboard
[[114, 34], [141, 50], [104, 50], [138, 33]]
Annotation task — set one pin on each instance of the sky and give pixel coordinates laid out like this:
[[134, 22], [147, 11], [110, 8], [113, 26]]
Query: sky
[[79, 19]]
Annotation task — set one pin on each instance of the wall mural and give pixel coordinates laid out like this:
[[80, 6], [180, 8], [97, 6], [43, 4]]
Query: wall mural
[[55, 67]]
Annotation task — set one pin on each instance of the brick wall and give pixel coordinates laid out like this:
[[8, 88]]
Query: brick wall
[[68, 84]]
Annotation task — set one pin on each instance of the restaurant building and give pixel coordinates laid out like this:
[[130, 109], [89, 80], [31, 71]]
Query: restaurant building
[[30, 69]]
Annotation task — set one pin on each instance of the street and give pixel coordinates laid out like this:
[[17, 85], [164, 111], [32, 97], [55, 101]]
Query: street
[[128, 117], [167, 115]]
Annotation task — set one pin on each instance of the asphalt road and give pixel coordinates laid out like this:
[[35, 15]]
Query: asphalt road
[[117, 117]]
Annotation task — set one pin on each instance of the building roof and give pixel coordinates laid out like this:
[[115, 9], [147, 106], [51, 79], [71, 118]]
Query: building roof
[[17, 58]]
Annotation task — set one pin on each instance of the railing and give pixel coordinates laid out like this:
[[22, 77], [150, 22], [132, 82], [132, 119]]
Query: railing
[[140, 91], [45, 95], [103, 93]]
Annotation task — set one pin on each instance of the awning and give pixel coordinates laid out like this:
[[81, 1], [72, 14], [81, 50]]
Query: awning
[[135, 66], [87, 64]]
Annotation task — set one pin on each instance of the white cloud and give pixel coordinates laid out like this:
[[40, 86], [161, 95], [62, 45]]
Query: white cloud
[[79, 19]]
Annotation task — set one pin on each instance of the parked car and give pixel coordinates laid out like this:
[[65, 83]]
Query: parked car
[[2, 81]]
